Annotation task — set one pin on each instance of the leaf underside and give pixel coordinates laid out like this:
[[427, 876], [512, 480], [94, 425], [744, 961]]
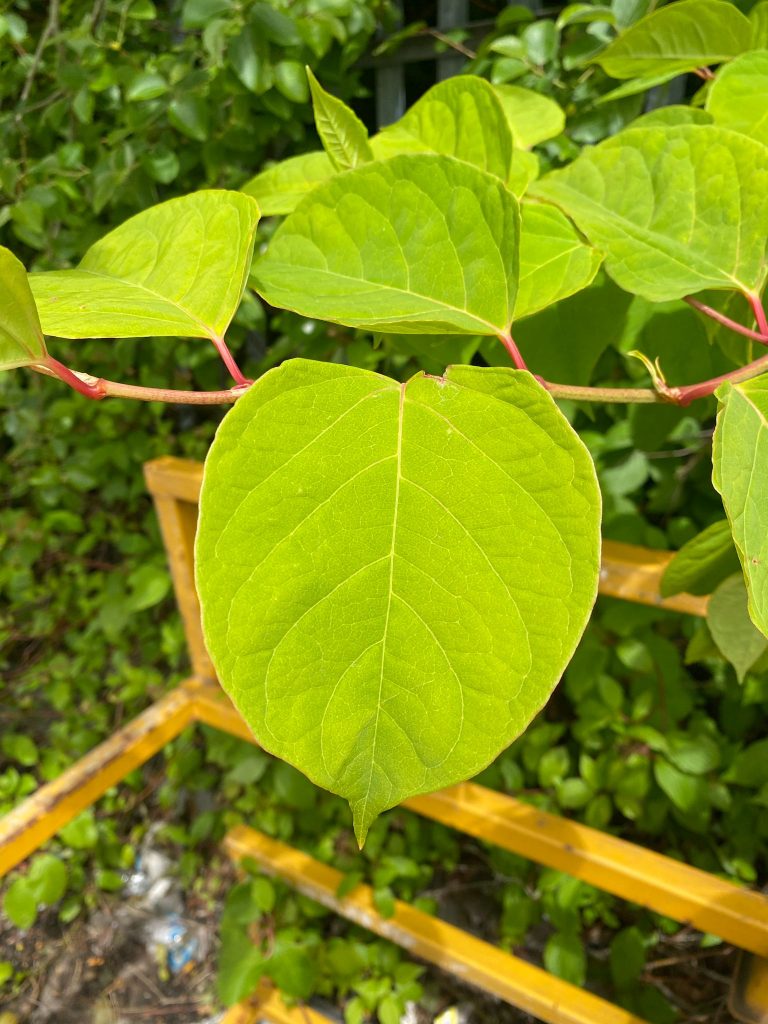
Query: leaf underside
[[740, 474], [177, 269], [393, 577], [413, 244], [675, 210]]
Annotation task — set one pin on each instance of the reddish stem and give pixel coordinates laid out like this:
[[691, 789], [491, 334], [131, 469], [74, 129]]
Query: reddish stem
[[733, 325], [690, 392], [98, 388], [90, 387], [229, 361], [515, 354], [757, 308], [706, 73]]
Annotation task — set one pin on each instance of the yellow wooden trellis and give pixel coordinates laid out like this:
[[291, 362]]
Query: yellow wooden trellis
[[665, 885]]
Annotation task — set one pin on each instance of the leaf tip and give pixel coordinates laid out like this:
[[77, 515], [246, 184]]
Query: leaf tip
[[361, 823]]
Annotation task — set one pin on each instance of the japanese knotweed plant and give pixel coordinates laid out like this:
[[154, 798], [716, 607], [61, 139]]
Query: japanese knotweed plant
[[394, 575]]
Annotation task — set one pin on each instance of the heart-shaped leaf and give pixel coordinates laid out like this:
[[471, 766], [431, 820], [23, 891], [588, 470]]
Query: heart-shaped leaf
[[679, 37], [554, 262], [342, 133], [675, 210], [177, 269], [461, 117], [21, 337], [281, 188], [394, 576], [740, 474], [737, 97], [415, 244]]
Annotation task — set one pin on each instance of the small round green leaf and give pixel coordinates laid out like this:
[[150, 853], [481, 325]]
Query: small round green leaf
[[47, 878], [415, 244], [19, 903], [176, 269], [393, 577]]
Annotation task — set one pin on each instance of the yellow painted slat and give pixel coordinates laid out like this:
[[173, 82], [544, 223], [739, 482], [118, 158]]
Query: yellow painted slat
[[625, 869], [748, 999], [473, 961], [41, 815]]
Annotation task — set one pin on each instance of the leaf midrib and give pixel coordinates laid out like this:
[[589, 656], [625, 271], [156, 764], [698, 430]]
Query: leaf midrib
[[392, 552]]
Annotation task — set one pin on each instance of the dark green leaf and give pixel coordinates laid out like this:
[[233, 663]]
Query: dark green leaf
[[19, 903], [566, 958], [732, 628], [703, 563]]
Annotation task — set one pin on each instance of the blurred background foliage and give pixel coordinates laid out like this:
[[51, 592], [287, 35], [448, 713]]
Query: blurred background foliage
[[108, 107]]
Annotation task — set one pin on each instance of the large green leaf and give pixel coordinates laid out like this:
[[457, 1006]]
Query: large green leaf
[[177, 269], [740, 474], [675, 210], [342, 133], [394, 576], [554, 262], [738, 98], [415, 244], [281, 188], [532, 117], [703, 563], [679, 37], [21, 337], [731, 627], [461, 117]]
